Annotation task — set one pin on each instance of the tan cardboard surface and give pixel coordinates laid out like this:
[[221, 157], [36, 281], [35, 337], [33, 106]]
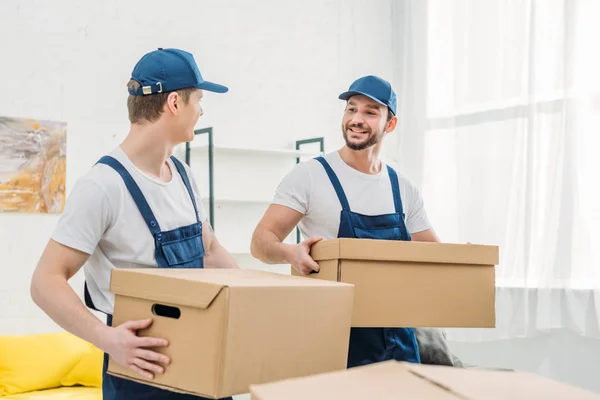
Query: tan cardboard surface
[[194, 326], [236, 327], [390, 250], [384, 381], [175, 286], [472, 384], [413, 284], [421, 295], [392, 380]]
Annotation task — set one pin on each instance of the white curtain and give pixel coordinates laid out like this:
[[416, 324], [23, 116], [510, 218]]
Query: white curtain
[[500, 128]]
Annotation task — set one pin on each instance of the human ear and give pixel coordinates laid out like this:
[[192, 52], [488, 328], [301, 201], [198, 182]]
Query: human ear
[[391, 124], [173, 102]]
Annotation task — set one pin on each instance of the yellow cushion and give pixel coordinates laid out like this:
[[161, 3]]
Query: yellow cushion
[[88, 371], [37, 362], [75, 393]]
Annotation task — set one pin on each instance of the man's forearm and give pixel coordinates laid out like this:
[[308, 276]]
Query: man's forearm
[[54, 295], [427, 235], [218, 257], [267, 247]]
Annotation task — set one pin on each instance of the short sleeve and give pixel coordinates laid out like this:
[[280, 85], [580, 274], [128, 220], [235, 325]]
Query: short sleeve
[[416, 216], [202, 215], [294, 189], [86, 216]]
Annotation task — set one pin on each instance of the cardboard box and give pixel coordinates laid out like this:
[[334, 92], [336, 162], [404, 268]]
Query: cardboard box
[[228, 329], [394, 380], [413, 284]]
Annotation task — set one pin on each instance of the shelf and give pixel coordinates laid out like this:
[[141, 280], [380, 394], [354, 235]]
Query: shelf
[[246, 150], [279, 156], [225, 200]]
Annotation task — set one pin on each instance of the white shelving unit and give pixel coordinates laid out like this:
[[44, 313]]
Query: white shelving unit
[[221, 149], [244, 181]]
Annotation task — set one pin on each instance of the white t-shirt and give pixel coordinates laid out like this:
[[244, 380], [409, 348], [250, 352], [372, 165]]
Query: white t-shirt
[[100, 218], [308, 190]]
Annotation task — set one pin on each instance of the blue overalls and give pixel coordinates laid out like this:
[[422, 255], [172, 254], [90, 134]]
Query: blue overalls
[[371, 345], [178, 248]]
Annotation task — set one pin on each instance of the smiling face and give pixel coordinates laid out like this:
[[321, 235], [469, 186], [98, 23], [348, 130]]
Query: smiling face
[[365, 122]]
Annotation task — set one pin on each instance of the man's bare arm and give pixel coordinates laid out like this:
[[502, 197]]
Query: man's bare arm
[[215, 255], [267, 240], [428, 235], [51, 291]]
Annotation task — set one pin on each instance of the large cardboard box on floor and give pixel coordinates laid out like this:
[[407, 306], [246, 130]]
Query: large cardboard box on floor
[[395, 380], [228, 329], [413, 284]]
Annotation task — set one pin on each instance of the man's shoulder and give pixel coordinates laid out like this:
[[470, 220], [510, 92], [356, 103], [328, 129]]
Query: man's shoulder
[[331, 156], [314, 164], [404, 180], [407, 186], [103, 176]]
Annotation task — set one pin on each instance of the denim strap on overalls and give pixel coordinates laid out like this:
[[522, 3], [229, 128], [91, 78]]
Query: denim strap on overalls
[[178, 248], [370, 345]]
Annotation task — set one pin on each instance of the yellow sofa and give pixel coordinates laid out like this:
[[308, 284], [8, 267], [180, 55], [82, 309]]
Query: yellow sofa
[[49, 366]]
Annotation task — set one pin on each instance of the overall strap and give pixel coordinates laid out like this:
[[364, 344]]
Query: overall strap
[[186, 181], [336, 183], [395, 189], [136, 193]]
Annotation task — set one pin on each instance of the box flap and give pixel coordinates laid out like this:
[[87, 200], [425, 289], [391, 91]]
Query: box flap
[[382, 381], [396, 250], [475, 384], [234, 278], [401, 380], [197, 287], [165, 285]]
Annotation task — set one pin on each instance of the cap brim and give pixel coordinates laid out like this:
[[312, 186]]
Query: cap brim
[[213, 87], [347, 95]]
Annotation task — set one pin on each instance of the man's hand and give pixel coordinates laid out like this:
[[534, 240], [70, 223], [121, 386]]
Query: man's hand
[[299, 256], [133, 352]]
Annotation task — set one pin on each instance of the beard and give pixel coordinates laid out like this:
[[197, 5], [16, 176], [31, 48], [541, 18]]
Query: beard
[[371, 140]]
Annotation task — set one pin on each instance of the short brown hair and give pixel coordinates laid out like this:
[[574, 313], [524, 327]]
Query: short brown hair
[[150, 107], [390, 115]]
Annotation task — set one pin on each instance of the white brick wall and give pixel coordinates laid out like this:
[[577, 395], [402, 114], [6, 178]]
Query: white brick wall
[[22, 240], [285, 63]]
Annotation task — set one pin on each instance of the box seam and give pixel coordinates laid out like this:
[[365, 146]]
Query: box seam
[[159, 385], [492, 261], [440, 385], [222, 345]]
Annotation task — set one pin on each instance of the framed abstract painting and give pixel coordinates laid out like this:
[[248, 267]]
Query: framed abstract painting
[[32, 165]]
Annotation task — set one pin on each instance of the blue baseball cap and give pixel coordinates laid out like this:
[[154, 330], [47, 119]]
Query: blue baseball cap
[[166, 70], [374, 88]]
